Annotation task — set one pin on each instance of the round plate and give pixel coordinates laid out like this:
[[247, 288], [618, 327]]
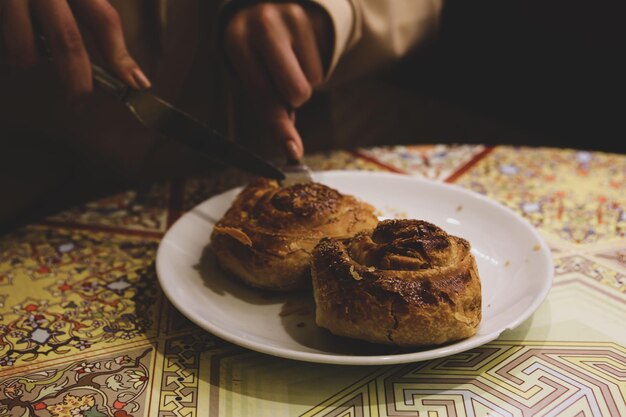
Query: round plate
[[514, 264]]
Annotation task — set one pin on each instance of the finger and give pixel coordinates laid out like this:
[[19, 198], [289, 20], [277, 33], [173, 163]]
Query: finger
[[20, 47], [271, 109], [272, 40], [304, 43], [105, 25], [281, 124], [66, 45], [257, 83], [245, 61]]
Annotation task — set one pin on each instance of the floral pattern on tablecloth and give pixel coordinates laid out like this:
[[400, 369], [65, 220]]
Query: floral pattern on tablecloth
[[341, 160], [78, 291], [115, 386], [436, 162], [578, 196], [145, 210]]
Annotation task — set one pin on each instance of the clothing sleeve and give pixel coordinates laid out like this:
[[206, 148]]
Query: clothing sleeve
[[369, 34]]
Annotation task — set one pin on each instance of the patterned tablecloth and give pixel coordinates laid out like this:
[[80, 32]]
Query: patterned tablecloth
[[85, 330]]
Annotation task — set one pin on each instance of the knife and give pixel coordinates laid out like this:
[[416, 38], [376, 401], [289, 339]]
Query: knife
[[179, 126], [159, 115]]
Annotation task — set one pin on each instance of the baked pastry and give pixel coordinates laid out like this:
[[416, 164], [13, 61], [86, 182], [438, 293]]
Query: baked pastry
[[406, 283], [267, 236]]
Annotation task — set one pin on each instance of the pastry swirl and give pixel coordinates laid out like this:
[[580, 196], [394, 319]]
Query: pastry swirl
[[406, 282], [267, 236]]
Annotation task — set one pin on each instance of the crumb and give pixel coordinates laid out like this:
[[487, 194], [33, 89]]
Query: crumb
[[371, 269], [536, 248], [301, 324], [488, 305], [459, 208], [355, 274], [507, 263], [526, 260]]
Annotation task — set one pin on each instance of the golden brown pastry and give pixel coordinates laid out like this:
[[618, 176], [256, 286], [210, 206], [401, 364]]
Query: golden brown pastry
[[406, 282], [267, 236]]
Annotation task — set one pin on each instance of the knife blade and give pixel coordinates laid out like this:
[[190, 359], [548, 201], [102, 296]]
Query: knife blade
[[179, 126], [173, 123]]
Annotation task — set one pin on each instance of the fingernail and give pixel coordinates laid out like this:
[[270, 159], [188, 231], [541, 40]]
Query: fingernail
[[141, 78], [293, 149]]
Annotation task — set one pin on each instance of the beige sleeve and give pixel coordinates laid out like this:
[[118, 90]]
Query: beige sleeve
[[370, 34]]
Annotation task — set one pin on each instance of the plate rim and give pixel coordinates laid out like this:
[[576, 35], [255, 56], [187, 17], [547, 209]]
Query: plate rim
[[336, 359]]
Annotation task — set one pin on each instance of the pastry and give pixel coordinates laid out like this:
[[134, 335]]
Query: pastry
[[405, 282], [267, 236]]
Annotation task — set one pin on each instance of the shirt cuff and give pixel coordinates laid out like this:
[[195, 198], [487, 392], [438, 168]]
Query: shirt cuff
[[344, 19]]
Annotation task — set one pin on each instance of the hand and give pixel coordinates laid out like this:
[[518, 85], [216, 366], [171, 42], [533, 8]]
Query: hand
[[278, 51], [58, 22]]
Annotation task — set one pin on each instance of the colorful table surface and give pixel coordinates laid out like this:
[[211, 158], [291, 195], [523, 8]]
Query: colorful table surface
[[85, 330]]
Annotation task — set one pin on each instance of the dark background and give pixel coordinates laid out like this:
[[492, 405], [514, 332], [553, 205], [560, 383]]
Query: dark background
[[554, 67]]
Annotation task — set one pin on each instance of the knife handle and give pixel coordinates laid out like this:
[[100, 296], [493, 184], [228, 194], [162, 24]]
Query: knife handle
[[110, 83]]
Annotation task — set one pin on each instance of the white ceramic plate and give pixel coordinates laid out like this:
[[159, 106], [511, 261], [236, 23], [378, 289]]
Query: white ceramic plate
[[514, 263]]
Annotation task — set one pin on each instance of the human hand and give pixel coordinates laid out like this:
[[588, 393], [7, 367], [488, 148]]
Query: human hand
[[58, 23], [278, 51]]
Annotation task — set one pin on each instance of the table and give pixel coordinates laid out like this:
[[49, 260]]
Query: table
[[85, 330]]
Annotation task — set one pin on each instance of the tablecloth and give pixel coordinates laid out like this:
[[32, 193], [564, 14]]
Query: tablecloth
[[85, 330]]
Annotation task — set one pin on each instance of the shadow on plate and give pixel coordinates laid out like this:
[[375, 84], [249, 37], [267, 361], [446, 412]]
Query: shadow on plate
[[298, 318], [297, 313], [221, 283]]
